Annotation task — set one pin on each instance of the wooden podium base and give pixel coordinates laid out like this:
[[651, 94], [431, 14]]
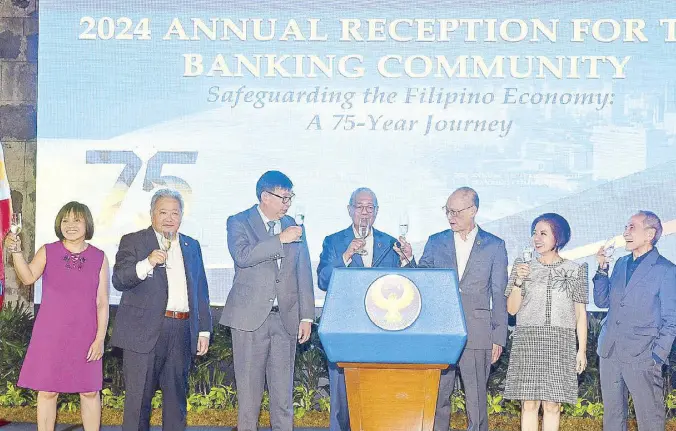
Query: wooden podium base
[[392, 397]]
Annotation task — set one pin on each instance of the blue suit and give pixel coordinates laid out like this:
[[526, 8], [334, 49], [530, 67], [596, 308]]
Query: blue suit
[[636, 338], [332, 257]]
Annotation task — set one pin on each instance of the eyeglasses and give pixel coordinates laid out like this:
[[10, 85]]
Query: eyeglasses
[[454, 213], [369, 209], [285, 199]]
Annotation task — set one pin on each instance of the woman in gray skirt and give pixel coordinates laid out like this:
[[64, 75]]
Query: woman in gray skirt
[[548, 296]]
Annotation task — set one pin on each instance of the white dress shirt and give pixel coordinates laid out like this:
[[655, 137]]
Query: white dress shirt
[[463, 247], [277, 230], [177, 292]]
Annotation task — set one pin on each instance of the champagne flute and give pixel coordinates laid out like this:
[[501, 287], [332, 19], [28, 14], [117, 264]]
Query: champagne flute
[[403, 224], [299, 218], [609, 249], [403, 230], [15, 226], [363, 230], [165, 245], [527, 256]]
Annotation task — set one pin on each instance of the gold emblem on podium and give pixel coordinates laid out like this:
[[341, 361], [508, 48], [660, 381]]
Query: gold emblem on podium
[[393, 302]]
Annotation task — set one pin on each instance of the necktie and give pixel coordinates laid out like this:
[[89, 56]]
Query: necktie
[[271, 228]]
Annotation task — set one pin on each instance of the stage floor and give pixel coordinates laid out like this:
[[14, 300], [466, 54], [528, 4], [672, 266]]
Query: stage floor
[[23, 427]]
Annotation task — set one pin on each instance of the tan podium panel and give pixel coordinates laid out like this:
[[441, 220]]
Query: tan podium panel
[[392, 397]]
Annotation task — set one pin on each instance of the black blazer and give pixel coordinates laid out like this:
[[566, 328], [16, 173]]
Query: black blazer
[[143, 304]]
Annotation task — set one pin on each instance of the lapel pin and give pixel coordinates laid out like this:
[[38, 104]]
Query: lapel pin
[[185, 244]]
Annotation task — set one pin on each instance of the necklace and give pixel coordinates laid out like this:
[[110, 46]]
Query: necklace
[[74, 260]]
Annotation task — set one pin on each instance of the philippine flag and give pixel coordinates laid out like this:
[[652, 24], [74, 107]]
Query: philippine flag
[[5, 217]]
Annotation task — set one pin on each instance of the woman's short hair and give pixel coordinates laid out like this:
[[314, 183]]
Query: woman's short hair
[[558, 224], [79, 210]]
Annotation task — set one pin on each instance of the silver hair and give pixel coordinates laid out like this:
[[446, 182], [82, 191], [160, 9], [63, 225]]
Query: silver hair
[[166, 193], [471, 193], [652, 221], [354, 194]]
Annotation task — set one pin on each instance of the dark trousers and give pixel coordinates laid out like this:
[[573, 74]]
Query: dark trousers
[[475, 366], [644, 382], [340, 415], [166, 365]]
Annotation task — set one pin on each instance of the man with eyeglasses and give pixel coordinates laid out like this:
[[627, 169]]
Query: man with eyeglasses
[[480, 260], [271, 304], [346, 248]]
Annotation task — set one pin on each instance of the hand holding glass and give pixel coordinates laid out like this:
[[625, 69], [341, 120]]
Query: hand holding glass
[[15, 227], [609, 249], [299, 218], [363, 231], [165, 245], [403, 224]]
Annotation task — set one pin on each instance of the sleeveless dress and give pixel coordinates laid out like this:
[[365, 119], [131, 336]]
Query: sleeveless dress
[[65, 326]]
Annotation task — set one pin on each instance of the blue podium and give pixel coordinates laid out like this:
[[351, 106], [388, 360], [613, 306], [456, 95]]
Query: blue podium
[[393, 331]]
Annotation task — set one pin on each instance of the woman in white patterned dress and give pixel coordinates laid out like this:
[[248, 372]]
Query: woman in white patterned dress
[[548, 297]]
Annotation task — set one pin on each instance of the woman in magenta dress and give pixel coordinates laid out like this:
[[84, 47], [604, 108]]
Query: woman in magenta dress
[[65, 350]]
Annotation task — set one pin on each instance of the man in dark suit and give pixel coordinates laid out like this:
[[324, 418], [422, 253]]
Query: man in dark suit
[[480, 260], [271, 304], [163, 318], [637, 334], [341, 250]]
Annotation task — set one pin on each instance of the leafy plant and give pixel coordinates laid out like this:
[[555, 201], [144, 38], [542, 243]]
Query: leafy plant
[[112, 401], [595, 410], [457, 401], [265, 403], [325, 404], [303, 400], [494, 404], [311, 363], [16, 326], [156, 402], [13, 397], [576, 410], [198, 402], [69, 402]]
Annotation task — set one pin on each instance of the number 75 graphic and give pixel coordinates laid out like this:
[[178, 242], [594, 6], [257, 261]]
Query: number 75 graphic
[[132, 165]]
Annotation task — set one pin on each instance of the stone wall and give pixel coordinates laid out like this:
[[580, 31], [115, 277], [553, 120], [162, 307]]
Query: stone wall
[[18, 116]]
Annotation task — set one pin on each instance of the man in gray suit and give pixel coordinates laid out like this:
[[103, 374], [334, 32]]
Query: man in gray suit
[[480, 259], [163, 318], [637, 334], [271, 304]]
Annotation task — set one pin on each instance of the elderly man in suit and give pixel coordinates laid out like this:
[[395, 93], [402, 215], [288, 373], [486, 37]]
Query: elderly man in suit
[[271, 304], [346, 248], [637, 334], [163, 318], [480, 260]]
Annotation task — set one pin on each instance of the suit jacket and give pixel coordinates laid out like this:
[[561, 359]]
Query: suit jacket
[[641, 317], [335, 245], [144, 302], [485, 279], [258, 279]]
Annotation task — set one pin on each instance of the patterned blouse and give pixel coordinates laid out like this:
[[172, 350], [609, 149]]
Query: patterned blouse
[[550, 293]]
